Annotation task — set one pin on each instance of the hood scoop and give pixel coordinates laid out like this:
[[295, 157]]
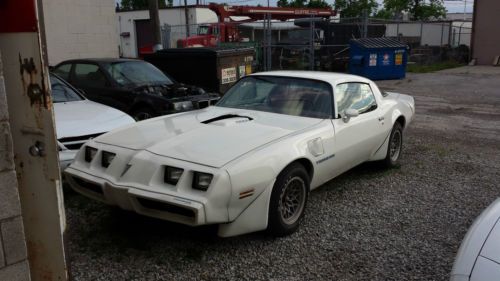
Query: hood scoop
[[239, 119]]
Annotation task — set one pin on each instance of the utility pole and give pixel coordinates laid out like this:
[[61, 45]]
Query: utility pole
[[155, 24], [365, 23], [186, 15], [465, 8]]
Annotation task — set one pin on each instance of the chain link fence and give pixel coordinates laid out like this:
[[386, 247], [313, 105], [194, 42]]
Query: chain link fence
[[317, 44]]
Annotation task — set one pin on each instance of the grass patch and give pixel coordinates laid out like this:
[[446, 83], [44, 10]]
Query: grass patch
[[415, 68]]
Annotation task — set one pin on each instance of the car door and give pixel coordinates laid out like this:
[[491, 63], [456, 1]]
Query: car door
[[356, 137], [88, 77]]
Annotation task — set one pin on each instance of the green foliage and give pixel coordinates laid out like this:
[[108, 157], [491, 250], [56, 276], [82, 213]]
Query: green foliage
[[128, 5], [418, 9], [355, 8], [303, 3]]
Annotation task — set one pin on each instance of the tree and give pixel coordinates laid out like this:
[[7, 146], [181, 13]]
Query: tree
[[418, 9], [355, 8], [127, 5], [303, 4]]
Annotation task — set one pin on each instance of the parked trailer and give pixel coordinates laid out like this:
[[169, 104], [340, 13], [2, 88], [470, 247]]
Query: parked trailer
[[214, 69]]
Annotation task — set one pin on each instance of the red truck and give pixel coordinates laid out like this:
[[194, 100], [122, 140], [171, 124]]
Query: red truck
[[226, 30]]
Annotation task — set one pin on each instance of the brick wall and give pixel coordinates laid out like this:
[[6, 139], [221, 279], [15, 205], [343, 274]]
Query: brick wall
[[80, 29], [13, 257]]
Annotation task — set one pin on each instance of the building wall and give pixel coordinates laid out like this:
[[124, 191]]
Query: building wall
[[431, 33], [79, 29], [174, 17], [485, 39], [13, 256]]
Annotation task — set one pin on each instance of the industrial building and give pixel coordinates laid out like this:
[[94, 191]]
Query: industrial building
[[485, 40]]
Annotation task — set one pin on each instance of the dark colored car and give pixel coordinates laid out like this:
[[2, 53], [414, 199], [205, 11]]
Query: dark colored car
[[133, 86]]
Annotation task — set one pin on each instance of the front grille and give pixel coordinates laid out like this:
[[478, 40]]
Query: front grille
[[74, 143], [165, 207], [88, 185]]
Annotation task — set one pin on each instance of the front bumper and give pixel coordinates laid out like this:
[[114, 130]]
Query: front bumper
[[65, 158], [134, 181], [163, 206]]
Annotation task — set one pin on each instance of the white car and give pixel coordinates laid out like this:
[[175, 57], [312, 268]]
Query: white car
[[478, 258], [78, 119], [248, 163]]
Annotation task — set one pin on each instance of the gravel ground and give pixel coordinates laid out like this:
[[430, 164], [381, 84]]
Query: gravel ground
[[368, 224]]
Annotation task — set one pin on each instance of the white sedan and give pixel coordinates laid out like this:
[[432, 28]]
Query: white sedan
[[248, 163], [78, 119], [478, 258]]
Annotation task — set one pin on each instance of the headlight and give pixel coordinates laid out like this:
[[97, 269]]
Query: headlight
[[106, 159], [201, 181], [172, 175], [90, 153], [183, 105]]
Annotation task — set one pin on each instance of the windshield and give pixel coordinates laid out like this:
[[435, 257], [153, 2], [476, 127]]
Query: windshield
[[284, 95], [136, 72], [203, 30], [62, 92]]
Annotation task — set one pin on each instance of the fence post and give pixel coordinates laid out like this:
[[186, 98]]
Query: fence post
[[459, 34], [311, 44], [442, 34], [269, 39], [421, 32]]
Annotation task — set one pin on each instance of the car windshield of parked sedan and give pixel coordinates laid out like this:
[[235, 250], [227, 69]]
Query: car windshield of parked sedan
[[136, 72], [284, 95], [62, 92]]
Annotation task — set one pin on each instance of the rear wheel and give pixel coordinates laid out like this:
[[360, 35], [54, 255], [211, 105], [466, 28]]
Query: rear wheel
[[143, 113], [395, 146], [288, 200]]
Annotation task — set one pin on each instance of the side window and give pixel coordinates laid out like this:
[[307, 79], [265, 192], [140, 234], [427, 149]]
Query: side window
[[89, 75], [357, 96], [63, 71]]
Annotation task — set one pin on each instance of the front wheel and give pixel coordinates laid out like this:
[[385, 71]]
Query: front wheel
[[288, 200], [395, 146]]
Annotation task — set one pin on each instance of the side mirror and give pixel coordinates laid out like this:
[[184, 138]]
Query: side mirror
[[349, 113]]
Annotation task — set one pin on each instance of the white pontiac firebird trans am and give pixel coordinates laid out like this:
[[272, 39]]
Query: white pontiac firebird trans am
[[248, 163]]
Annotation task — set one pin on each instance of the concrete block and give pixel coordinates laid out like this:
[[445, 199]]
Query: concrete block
[[14, 244], [17, 272], [2, 256], [9, 197], [4, 112], [6, 147]]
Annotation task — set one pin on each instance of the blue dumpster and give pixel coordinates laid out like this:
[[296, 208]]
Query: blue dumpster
[[378, 58]]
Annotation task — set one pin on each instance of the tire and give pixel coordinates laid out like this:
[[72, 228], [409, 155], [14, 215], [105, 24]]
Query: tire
[[394, 147], [143, 113], [292, 182]]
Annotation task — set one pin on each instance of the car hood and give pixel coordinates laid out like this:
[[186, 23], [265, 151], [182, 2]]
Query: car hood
[[81, 118], [185, 136]]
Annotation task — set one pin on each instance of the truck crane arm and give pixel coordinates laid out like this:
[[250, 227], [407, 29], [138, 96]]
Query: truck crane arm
[[225, 12]]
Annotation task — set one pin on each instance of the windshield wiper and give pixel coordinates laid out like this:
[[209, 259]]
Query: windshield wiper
[[226, 116]]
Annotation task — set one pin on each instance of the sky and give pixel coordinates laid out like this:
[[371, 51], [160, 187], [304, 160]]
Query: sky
[[453, 6]]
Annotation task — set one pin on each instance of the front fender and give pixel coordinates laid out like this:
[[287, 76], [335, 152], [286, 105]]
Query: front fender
[[253, 173]]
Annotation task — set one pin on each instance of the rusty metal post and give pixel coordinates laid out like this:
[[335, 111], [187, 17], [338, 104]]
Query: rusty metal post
[[27, 87]]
